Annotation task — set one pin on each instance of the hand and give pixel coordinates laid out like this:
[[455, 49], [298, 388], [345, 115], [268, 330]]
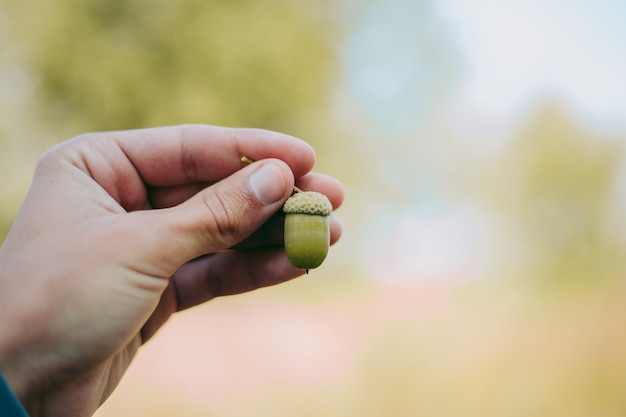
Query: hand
[[122, 229]]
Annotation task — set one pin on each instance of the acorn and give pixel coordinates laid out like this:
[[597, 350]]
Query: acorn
[[307, 232]]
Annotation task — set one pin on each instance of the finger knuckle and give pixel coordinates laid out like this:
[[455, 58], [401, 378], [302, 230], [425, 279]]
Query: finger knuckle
[[224, 210]]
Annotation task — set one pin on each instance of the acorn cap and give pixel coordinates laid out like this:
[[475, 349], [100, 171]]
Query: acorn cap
[[308, 202]]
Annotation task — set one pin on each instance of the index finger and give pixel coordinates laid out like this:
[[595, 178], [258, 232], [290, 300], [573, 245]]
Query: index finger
[[185, 154]]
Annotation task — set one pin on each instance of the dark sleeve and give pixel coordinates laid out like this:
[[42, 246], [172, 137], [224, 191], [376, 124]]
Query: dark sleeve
[[9, 404]]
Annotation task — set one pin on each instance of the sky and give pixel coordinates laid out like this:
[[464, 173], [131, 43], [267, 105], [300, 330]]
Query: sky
[[494, 57], [517, 51]]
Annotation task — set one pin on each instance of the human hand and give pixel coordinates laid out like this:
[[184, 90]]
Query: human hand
[[122, 229]]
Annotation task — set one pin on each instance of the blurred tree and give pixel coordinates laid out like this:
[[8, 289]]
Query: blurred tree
[[554, 184], [73, 66], [114, 64]]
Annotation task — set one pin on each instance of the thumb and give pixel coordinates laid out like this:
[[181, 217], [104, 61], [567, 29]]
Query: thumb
[[219, 216]]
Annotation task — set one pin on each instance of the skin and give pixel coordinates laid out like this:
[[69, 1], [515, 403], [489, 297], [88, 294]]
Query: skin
[[119, 231]]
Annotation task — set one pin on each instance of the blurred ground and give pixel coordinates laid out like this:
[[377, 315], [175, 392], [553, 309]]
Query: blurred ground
[[421, 350]]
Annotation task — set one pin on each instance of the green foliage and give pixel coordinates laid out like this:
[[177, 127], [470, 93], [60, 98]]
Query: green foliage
[[113, 64], [555, 184]]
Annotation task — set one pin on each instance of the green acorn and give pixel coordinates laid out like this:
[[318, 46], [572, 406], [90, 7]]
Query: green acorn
[[307, 233]]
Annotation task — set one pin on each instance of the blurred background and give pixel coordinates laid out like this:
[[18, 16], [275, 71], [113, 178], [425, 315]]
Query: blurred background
[[482, 147]]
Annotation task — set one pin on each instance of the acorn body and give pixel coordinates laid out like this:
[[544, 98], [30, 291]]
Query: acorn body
[[307, 238], [307, 232]]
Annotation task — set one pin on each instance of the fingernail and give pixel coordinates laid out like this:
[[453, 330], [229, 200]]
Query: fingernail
[[268, 184]]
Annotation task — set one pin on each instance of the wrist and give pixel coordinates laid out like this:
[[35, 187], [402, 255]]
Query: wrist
[[14, 350], [9, 403], [11, 368], [20, 376]]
